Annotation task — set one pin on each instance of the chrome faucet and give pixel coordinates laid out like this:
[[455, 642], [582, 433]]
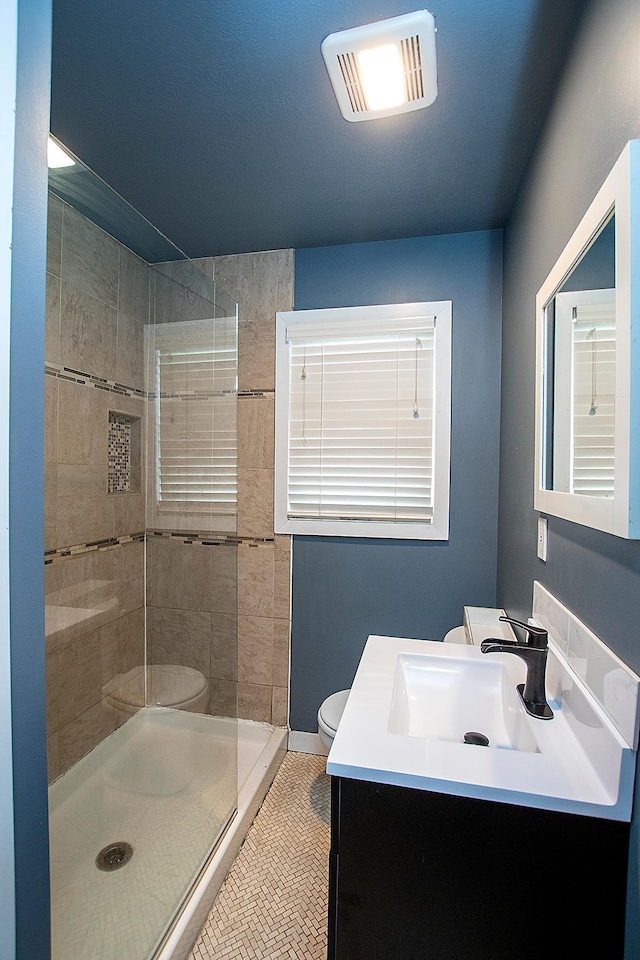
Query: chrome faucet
[[533, 650]]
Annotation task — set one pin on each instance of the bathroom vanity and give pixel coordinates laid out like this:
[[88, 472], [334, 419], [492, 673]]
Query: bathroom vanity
[[418, 875], [444, 850]]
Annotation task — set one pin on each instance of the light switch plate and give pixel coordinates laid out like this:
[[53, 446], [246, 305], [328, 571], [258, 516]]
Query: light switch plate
[[542, 538]]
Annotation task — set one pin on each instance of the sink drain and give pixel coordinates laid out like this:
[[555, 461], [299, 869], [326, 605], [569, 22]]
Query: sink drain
[[114, 856], [477, 739]]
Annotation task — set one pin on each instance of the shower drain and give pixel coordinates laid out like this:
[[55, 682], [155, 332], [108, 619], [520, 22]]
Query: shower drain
[[114, 856]]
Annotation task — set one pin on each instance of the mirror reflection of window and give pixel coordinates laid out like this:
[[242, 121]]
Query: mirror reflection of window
[[580, 437], [584, 412]]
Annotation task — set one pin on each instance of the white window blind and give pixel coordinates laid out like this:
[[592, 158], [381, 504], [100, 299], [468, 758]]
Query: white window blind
[[196, 456], [360, 431], [594, 368]]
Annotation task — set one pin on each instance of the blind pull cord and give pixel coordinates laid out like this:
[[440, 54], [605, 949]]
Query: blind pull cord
[[592, 335], [416, 411]]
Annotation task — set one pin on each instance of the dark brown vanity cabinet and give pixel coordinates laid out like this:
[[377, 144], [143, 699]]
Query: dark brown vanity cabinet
[[416, 875]]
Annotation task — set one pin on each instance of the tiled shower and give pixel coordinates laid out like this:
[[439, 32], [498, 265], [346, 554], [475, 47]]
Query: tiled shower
[[155, 598]]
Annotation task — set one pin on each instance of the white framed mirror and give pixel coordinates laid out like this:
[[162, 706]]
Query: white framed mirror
[[587, 437]]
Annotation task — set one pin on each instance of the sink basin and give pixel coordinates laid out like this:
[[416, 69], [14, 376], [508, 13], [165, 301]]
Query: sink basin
[[440, 698]]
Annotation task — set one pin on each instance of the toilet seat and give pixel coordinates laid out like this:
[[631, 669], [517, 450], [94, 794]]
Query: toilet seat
[[330, 712]]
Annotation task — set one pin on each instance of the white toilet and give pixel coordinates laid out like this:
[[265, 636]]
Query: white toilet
[[330, 714]]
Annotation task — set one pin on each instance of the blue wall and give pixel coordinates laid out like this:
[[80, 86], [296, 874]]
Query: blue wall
[[595, 110], [26, 480], [343, 588]]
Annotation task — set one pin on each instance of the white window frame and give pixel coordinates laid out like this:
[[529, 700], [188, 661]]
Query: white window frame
[[438, 527]]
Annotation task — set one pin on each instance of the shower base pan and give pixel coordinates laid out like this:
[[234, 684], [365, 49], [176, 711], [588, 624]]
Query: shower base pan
[[155, 803]]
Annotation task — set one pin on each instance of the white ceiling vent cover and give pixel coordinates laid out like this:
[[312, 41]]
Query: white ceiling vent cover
[[383, 68]]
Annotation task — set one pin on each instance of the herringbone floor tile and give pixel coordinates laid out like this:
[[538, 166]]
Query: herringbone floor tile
[[273, 903]]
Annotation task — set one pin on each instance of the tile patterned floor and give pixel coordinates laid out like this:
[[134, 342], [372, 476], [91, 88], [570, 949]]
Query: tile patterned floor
[[273, 903]]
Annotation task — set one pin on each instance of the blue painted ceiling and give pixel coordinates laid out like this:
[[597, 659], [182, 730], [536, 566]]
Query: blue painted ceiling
[[216, 119]]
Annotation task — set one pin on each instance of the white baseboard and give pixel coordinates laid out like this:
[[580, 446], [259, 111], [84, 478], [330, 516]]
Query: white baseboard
[[302, 742]]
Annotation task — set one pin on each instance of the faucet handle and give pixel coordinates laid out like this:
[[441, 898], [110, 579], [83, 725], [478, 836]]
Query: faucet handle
[[536, 636]]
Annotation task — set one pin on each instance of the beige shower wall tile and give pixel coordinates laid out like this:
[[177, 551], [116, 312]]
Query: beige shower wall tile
[[50, 507], [205, 264], [84, 510], [280, 706], [50, 419], [130, 366], [85, 665], [254, 702], [133, 288], [88, 333], [282, 577], [179, 290], [54, 233], [83, 521], [129, 646], [180, 637], [223, 698], [281, 645], [256, 354], [72, 582], [260, 282], [129, 511], [255, 503], [255, 649], [105, 584], [192, 577], [256, 432], [52, 320], [84, 733], [89, 666], [90, 257], [255, 580], [83, 421], [52, 690], [224, 646], [286, 273], [53, 757]]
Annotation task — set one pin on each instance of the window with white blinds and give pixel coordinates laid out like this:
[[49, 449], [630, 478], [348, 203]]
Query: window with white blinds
[[584, 460], [362, 421], [195, 385]]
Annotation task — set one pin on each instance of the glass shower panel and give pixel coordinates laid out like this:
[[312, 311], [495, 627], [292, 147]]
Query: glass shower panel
[[191, 559], [140, 572]]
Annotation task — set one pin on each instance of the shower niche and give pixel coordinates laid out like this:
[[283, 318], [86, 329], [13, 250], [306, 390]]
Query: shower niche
[[123, 453]]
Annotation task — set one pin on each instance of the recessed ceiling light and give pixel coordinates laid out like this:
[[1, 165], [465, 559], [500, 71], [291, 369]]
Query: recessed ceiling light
[[56, 156], [383, 68]]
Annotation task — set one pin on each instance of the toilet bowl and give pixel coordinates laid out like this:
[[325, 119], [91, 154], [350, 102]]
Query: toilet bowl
[[456, 635], [330, 714]]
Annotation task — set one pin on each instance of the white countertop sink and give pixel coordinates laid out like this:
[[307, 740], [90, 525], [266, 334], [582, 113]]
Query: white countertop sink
[[443, 698], [412, 701]]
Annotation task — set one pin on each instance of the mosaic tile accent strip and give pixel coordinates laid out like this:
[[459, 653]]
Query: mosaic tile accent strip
[[205, 540], [64, 553], [77, 376], [123, 390], [273, 904], [119, 454]]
